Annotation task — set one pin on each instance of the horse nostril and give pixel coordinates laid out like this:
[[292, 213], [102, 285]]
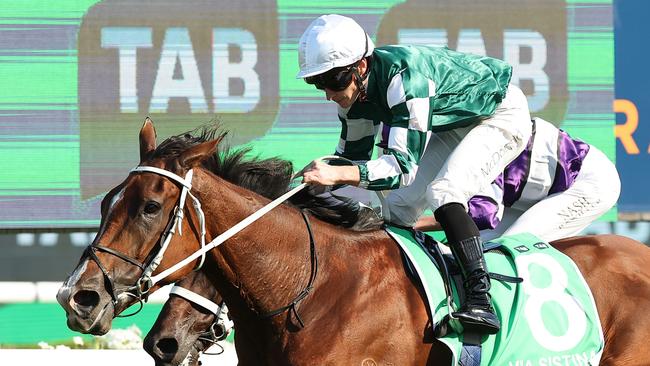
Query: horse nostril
[[167, 346], [86, 299]]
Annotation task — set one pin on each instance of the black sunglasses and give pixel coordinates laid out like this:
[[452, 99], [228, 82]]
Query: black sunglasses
[[336, 79]]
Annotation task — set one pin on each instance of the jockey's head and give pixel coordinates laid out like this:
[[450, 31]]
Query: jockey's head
[[333, 52]]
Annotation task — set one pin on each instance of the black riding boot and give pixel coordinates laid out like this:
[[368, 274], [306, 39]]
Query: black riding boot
[[476, 313]]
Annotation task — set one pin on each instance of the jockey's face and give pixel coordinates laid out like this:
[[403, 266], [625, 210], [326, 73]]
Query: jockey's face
[[339, 85]]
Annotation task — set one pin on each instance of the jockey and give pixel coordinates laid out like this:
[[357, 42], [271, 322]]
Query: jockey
[[417, 91]]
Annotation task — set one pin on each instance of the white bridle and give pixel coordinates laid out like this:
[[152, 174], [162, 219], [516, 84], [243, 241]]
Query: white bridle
[[186, 184], [220, 327], [193, 297]]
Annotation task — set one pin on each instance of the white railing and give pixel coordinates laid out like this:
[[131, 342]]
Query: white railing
[[68, 357], [45, 292]]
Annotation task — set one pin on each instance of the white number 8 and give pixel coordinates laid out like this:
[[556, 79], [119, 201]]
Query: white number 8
[[537, 296]]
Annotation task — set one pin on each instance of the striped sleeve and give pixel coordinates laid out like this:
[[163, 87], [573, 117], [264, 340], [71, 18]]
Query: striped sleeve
[[357, 137], [408, 96]]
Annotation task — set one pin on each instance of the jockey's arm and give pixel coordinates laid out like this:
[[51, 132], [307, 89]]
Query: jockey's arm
[[321, 173], [396, 168]]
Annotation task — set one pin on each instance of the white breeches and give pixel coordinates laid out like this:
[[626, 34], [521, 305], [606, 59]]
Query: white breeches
[[456, 164], [561, 215]]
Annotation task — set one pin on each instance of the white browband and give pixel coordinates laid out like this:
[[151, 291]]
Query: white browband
[[196, 298]]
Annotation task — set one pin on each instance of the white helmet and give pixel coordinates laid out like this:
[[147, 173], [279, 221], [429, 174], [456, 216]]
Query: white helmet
[[331, 41]]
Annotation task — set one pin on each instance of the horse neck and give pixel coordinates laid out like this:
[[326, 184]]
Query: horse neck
[[268, 262]]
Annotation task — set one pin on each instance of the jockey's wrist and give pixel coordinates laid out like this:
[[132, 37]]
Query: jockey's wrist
[[363, 176], [348, 175]]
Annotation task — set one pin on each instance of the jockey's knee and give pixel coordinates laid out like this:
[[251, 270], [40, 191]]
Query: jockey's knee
[[442, 192]]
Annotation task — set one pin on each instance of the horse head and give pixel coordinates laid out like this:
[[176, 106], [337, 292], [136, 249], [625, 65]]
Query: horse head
[[136, 216], [185, 326]]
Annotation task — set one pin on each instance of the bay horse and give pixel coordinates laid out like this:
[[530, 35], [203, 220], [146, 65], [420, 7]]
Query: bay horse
[[359, 309]]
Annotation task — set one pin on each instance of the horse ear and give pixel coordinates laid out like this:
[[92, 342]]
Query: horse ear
[[147, 138], [196, 154]]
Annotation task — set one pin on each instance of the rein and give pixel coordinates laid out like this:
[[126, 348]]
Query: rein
[[211, 335], [146, 281], [226, 234]]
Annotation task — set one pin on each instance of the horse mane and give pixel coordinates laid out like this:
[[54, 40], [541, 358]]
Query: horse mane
[[270, 177]]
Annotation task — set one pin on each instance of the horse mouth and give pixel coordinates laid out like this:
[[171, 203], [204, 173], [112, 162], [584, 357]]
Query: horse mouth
[[98, 325], [192, 358], [174, 350]]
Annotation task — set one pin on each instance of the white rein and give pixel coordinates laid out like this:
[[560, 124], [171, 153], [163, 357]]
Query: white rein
[[178, 217]]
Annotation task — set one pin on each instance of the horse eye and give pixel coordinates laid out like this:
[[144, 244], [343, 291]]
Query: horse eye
[[151, 207]]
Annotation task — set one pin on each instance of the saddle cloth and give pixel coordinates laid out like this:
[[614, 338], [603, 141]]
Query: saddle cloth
[[550, 318]]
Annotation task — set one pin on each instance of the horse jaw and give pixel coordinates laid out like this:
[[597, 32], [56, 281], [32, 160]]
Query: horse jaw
[[101, 324]]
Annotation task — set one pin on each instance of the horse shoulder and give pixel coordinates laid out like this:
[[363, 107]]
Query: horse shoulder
[[366, 289]]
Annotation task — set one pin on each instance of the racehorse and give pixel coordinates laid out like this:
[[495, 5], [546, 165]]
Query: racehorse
[[359, 308]]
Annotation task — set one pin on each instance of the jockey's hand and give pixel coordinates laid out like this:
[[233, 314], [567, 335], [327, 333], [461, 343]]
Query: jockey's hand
[[320, 173]]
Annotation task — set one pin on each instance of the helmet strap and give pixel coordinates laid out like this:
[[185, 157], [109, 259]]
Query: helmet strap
[[359, 81]]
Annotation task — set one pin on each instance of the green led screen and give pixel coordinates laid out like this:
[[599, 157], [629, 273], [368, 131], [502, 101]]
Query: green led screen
[[79, 77]]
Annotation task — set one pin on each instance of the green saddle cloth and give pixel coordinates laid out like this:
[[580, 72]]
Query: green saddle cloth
[[548, 319]]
